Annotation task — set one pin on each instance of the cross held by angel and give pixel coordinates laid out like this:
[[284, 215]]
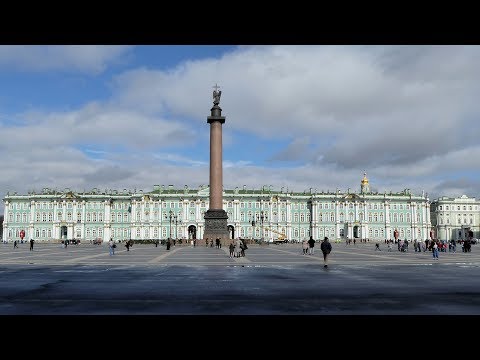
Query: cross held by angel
[[216, 95]]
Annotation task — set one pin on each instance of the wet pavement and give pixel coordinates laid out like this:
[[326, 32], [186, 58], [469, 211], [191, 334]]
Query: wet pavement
[[270, 280]]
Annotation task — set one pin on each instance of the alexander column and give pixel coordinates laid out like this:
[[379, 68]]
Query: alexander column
[[216, 217]]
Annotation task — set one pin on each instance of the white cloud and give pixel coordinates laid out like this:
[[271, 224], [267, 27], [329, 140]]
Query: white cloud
[[406, 115], [82, 58]]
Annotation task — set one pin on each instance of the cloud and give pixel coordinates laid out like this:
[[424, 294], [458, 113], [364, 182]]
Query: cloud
[[407, 115], [91, 59]]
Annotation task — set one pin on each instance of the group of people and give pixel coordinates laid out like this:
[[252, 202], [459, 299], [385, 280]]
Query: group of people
[[237, 248], [308, 248]]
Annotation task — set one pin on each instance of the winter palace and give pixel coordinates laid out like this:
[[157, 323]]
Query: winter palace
[[179, 213]]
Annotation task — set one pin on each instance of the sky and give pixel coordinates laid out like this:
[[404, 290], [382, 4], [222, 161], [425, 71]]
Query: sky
[[297, 117]]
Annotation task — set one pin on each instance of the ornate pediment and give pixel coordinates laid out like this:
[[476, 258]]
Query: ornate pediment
[[352, 196], [69, 195]]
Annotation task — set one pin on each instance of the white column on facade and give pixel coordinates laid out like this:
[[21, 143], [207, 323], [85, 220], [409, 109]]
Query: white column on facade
[[5, 221]]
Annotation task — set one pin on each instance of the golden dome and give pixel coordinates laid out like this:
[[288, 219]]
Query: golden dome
[[364, 180]]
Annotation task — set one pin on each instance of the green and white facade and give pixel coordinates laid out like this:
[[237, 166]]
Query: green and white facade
[[179, 213], [453, 218]]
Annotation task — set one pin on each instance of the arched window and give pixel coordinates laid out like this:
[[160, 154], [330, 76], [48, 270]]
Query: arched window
[[332, 217], [37, 233], [381, 217], [401, 217], [44, 233], [342, 217]]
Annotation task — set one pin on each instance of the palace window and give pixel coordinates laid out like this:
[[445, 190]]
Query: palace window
[[125, 217]]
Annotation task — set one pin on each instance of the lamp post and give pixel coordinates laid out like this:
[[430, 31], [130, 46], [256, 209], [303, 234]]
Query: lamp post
[[262, 216], [253, 227]]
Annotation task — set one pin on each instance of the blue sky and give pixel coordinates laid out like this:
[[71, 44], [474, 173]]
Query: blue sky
[[297, 117]]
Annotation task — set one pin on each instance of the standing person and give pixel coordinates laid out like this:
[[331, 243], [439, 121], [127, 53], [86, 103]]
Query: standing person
[[168, 244], [110, 247], [127, 245], [15, 244], [305, 247], [232, 248], [311, 244], [31, 244], [326, 248], [435, 251]]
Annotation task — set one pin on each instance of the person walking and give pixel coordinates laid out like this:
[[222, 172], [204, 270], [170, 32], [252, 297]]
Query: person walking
[[15, 244], [31, 244], [311, 244], [326, 248]]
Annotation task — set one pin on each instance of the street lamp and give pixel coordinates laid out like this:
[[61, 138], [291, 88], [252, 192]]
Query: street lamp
[[253, 227], [262, 216]]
